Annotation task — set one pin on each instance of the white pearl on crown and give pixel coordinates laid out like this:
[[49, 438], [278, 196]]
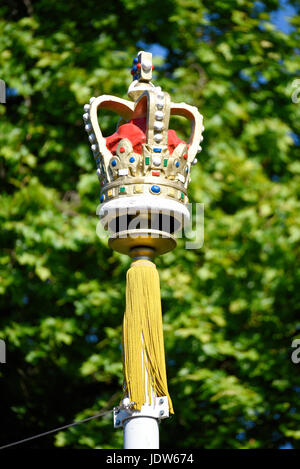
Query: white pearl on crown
[[147, 66], [156, 160], [159, 115], [158, 126]]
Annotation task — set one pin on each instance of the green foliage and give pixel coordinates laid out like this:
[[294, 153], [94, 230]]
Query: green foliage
[[230, 309]]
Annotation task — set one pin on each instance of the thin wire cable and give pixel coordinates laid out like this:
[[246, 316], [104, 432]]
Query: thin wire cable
[[101, 414]]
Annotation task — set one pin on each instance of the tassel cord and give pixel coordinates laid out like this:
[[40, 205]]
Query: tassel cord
[[143, 346]]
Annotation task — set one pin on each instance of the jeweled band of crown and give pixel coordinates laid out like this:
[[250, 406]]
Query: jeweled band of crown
[[144, 164]]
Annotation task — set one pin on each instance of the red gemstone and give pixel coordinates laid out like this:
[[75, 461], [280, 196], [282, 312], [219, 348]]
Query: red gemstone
[[122, 150], [132, 72], [185, 156], [138, 65], [153, 67], [155, 173]]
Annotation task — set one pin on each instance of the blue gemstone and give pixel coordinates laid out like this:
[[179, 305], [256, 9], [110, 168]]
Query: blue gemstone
[[132, 159], [102, 198], [114, 162], [134, 68], [177, 164], [187, 170], [155, 189], [157, 150], [135, 60]]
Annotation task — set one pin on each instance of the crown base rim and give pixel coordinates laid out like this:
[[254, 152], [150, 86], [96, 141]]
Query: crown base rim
[[146, 204]]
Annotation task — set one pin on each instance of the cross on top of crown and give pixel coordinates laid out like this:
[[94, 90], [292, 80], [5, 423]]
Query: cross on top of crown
[[142, 67]]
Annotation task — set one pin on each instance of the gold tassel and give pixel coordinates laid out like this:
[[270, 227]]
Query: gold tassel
[[143, 343]]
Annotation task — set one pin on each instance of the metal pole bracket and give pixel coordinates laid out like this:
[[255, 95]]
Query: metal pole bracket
[[158, 410]]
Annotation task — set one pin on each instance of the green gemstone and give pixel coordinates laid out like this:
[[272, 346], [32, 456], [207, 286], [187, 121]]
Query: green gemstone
[[147, 160], [165, 162], [122, 190], [182, 196]]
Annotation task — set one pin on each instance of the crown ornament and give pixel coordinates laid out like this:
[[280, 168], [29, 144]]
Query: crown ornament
[[144, 172], [144, 167]]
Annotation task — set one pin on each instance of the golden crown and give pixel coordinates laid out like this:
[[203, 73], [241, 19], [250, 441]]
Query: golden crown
[[144, 163]]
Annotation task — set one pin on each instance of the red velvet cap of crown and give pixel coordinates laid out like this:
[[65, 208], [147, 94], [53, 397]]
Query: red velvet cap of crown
[[135, 131]]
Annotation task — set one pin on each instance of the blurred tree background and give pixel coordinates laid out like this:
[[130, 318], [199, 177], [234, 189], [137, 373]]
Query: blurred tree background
[[231, 309]]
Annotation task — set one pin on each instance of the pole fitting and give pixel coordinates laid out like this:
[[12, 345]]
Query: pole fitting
[[158, 410]]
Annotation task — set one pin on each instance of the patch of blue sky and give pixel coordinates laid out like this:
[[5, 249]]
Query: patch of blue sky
[[280, 17], [286, 445], [156, 49]]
